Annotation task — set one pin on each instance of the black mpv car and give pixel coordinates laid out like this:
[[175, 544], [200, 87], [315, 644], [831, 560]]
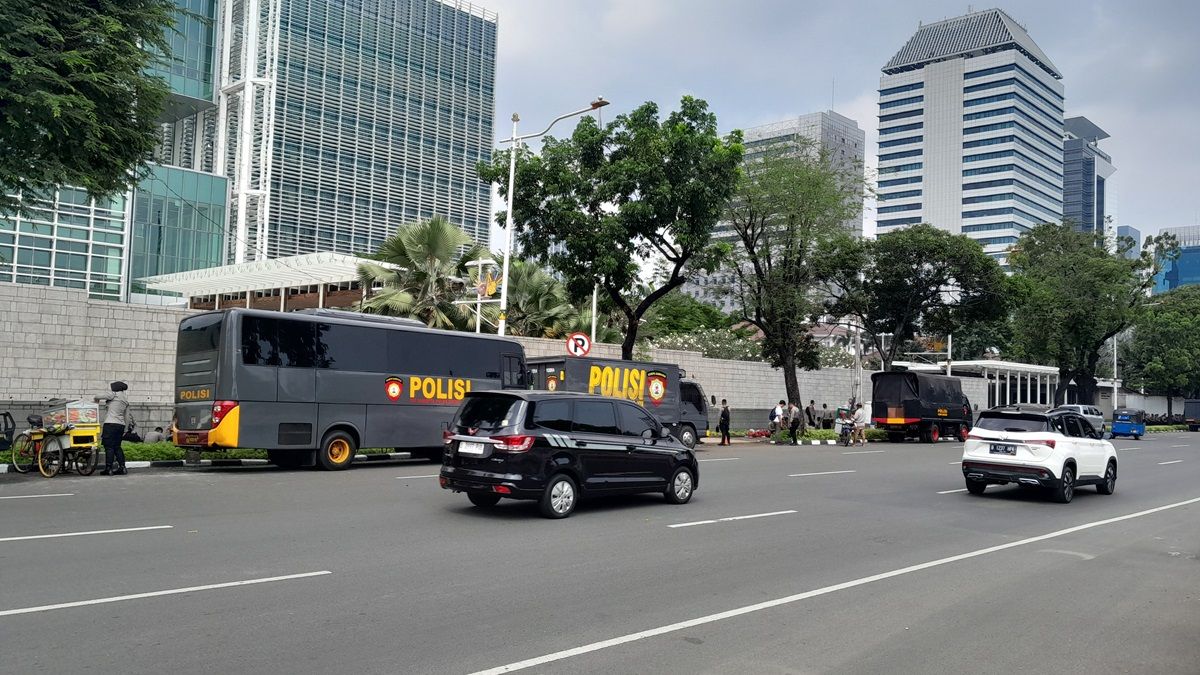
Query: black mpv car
[[558, 447]]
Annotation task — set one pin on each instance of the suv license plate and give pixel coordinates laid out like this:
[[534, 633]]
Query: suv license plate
[[470, 448], [1001, 449]]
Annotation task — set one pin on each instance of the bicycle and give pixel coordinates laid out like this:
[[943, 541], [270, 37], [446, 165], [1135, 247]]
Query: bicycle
[[45, 447]]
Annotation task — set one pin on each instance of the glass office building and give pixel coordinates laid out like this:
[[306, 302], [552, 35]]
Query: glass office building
[[1186, 270], [971, 132], [1086, 173], [345, 120], [178, 223]]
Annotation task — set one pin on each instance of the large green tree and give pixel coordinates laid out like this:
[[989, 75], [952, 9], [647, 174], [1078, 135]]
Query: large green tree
[[791, 202], [1163, 355], [915, 281], [677, 312], [1077, 292], [426, 272], [78, 105], [597, 205]]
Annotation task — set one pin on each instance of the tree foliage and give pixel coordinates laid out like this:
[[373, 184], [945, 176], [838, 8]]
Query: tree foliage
[[426, 272], [78, 105], [788, 205], [594, 205], [915, 281], [715, 343], [1077, 293], [676, 313], [1163, 355]]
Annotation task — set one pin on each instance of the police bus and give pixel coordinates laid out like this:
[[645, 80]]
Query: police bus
[[312, 387]]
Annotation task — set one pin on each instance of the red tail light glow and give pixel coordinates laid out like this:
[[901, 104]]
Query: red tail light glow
[[220, 409], [1048, 442], [502, 489], [513, 443], [446, 434]]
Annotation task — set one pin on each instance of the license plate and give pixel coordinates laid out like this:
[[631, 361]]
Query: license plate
[[470, 448], [1001, 449]]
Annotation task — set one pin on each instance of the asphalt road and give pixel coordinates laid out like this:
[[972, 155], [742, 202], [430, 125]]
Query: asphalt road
[[854, 563]]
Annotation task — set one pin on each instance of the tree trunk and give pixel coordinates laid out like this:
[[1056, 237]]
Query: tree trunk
[[790, 383], [631, 334], [1060, 391], [1170, 405], [1086, 383]]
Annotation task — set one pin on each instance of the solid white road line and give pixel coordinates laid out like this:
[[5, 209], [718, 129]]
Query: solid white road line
[[719, 459], [432, 475], [1185, 445], [724, 520], [1174, 461], [786, 600], [81, 534], [863, 452], [818, 473], [950, 492], [59, 494], [957, 461], [154, 594]]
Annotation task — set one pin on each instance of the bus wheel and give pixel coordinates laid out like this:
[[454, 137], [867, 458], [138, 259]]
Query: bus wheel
[[337, 451], [285, 459], [687, 435]]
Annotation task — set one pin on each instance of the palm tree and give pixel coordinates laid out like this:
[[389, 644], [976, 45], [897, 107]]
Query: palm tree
[[536, 300], [426, 272]]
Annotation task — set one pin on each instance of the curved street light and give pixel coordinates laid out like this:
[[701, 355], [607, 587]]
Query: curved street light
[[512, 178]]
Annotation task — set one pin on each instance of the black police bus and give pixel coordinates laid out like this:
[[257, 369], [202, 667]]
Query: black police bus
[[312, 387]]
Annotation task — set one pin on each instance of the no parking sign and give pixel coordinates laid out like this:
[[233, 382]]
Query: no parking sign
[[579, 344]]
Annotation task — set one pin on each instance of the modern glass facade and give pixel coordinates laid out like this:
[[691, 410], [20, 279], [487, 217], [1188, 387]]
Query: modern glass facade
[[188, 68], [990, 114], [178, 223], [1086, 171], [374, 114], [1186, 270], [69, 241]]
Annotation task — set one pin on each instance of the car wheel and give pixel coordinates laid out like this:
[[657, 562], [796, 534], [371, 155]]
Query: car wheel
[[896, 438], [681, 487], [483, 499], [1109, 485], [687, 435], [976, 487], [1065, 490], [337, 451], [559, 498], [1136, 437]]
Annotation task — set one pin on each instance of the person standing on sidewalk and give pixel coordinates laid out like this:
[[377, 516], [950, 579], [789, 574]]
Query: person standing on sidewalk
[[860, 425], [117, 418], [827, 416], [795, 423], [810, 413], [723, 424]]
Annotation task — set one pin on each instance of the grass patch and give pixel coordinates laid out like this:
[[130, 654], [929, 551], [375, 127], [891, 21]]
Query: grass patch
[[1159, 428]]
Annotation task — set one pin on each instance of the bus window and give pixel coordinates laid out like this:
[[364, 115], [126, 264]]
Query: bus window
[[201, 333], [514, 372], [259, 345], [296, 338], [358, 348]]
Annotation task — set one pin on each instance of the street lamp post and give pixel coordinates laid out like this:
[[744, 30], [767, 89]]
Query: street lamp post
[[512, 178]]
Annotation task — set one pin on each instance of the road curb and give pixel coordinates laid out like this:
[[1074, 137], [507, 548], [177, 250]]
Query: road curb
[[179, 463]]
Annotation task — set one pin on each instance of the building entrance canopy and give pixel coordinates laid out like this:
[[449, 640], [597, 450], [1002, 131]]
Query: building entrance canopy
[[311, 269]]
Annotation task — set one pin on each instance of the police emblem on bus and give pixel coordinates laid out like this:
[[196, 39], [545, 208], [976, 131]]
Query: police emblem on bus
[[657, 386], [394, 387], [552, 383]]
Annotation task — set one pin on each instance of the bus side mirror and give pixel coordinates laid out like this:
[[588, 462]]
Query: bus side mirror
[[528, 375]]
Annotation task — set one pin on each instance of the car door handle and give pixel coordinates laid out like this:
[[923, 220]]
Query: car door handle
[[582, 444]]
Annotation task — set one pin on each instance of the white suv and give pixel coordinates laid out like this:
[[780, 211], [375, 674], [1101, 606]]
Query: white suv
[[1089, 412], [1056, 449]]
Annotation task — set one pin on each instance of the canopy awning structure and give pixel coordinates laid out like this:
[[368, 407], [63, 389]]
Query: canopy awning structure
[[310, 269]]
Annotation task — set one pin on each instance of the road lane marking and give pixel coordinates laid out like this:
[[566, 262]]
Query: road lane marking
[[1082, 556], [950, 492], [57, 494], [786, 600], [155, 594], [1185, 445], [1174, 461], [863, 452], [82, 534], [432, 475], [957, 461], [725, 520], [719, 459], [817, 473]]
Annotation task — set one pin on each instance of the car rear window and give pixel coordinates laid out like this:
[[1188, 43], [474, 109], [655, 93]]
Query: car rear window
[[1015, 423], [489, 412]]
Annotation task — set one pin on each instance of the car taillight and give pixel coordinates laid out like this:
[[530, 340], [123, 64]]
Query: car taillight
[[1048, 442], [220, 409], [446, 436], [975, 436], [513, 443]]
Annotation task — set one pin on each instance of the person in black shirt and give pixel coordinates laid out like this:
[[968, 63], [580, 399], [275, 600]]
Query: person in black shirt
[[723, 424]]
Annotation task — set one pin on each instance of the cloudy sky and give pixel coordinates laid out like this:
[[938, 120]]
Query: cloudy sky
[[1131, 67]]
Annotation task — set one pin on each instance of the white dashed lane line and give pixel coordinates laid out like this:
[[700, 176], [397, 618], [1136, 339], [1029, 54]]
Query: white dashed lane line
[[817, 473], [432, 475], [864, 452], [719, 459], [950, 492], [732, 518], [58, 494], [83, 534], [1174, 461]]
